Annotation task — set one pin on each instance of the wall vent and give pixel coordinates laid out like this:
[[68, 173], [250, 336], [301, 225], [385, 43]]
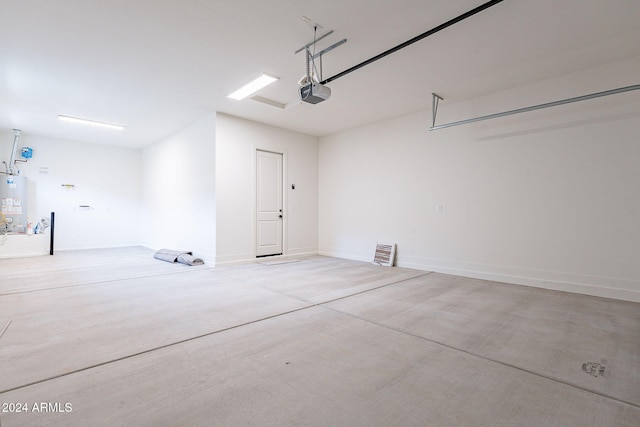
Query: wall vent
[[385, 254]]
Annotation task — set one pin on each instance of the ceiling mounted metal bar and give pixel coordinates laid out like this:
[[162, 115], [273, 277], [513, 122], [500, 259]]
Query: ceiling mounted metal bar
[[330, 48], [434, 107], [537, 107], [308, 45], [415, 39]]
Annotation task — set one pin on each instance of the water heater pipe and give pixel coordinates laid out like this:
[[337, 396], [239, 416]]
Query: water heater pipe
[[16, 138]]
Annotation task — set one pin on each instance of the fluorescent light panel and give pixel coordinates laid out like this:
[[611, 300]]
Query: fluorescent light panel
[[91, 122], [253, 86]]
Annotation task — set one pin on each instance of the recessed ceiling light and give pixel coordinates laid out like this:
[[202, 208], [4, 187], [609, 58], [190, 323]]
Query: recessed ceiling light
[[253, 86], [91, 122]]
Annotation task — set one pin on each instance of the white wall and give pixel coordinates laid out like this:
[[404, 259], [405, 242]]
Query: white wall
[[107, 179], [236, 142], [548, 198], [178, 176]]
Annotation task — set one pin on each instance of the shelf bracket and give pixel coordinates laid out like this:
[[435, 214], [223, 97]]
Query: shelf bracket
[[434, 107]]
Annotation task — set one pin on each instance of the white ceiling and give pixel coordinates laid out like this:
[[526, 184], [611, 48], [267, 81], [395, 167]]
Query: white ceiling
[[158, 66]]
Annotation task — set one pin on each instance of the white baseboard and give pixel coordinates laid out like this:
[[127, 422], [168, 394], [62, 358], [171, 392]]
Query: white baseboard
[[62, 248], [553, 284], [606, 287], [347, 255], [251, 258]]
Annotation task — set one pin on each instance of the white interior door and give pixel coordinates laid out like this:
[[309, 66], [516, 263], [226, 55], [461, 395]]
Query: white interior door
[[269, 204]]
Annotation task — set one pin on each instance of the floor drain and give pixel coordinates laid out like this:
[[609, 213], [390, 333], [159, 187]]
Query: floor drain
[[593, 369]]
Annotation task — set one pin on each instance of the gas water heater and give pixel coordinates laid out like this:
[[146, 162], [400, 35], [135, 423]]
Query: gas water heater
[[13, 192], [13, 196]]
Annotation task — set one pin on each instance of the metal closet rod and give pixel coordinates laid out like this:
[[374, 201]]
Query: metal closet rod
[[415, 39], [532, 108]]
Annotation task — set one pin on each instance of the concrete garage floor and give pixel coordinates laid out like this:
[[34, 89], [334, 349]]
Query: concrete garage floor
[[116, 338]]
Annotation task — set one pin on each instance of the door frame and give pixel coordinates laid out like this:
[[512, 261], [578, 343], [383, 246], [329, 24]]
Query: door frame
[[285, 210]]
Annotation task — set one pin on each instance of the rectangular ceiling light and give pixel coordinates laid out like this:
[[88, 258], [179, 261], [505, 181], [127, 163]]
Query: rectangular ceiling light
[[91, 122], [253, 86]]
